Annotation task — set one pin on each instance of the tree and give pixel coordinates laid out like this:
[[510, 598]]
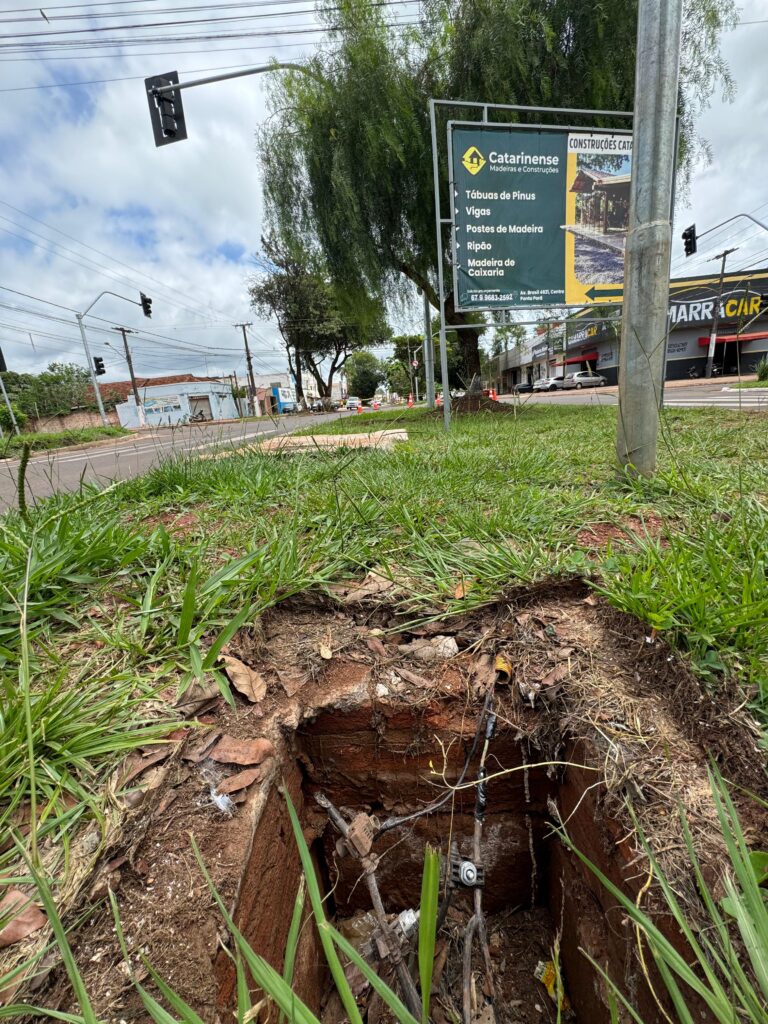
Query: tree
[[321, 325], [347, 153], [364, 374], [56, 391]]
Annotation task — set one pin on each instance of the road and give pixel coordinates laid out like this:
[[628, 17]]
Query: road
[[693, 396], [123, 458]]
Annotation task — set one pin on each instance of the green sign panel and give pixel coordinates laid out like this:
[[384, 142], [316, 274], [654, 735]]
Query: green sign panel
[[540, 217]]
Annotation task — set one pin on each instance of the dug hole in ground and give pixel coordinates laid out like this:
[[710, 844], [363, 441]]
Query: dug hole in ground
[[348, 699]]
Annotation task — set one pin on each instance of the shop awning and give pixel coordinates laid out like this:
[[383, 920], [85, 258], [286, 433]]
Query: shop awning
[[722, 338], [585, 357]]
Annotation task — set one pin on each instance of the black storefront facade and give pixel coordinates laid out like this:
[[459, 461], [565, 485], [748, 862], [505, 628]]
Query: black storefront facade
[[742, 334]]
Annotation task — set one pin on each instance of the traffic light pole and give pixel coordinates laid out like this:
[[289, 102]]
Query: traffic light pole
[[89, 361], [79, 317], [8, 405], [429, 355]]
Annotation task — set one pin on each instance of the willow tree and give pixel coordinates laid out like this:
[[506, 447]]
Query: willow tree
[[347, 152]]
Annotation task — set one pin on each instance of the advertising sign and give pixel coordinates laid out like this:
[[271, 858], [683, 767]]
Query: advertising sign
[[540, 216]]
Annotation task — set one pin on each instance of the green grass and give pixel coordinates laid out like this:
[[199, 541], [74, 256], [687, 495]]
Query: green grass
[[751, 384], [11, 444], [114, 596]]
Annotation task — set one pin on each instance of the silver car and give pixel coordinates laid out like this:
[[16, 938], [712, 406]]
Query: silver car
[[548, 384], [584, 379]]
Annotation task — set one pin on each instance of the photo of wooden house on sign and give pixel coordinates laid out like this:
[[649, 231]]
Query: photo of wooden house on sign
[[600, 218]]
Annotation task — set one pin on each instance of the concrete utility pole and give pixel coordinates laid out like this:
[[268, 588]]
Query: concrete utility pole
[[124, 331], [722, 256], [646, 265], [429, 354], [251, 379]]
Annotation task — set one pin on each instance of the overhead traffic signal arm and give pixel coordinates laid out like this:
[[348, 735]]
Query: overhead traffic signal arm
[[164, 95]]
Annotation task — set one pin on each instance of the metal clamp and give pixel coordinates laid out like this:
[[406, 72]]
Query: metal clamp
[[467, 874]]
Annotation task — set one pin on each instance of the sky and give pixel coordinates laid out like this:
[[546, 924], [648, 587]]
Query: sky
[[88, 203]]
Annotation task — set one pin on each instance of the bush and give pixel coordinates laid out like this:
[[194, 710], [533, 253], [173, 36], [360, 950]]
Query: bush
[[5, 417], [761, 369]]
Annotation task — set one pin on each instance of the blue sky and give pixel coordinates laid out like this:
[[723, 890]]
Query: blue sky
[[181, 223]]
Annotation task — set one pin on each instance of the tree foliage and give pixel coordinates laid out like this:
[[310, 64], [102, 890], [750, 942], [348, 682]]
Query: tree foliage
[[347, 153], [364, 374], [321, 324], [59, 389]]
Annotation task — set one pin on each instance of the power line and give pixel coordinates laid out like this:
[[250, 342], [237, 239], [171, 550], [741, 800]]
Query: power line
[[92, 29], [104, 255], [169, 53]]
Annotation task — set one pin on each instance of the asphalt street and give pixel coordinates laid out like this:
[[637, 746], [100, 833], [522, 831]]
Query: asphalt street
[[694, 396], [127, 457]]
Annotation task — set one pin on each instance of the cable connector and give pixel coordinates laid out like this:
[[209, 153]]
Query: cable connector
[[467, 874]]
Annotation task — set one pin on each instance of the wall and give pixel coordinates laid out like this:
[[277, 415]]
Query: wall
[[71, 421]]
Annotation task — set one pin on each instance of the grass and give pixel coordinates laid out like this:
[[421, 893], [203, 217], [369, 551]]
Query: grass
[[11, 444], [118, 603], [751, 384]]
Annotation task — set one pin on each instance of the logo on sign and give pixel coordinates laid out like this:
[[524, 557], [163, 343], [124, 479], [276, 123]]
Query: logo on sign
[[473, 160]]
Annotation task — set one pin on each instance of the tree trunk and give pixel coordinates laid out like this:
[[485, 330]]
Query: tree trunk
[[469, 340]]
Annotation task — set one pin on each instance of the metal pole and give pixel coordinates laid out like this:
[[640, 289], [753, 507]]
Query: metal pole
[[722, 256], [139, 407], [429, 355], [440, 281], [8, 405], [251, 379], [94, 380], [646, 280]]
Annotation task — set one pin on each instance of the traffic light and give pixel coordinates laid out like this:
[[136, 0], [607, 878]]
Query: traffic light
[[146, 304], [689, 240], [165, 110], [98, 366], [3, 367]]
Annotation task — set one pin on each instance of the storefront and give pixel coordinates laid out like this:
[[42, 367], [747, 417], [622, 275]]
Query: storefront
[[742, 333]]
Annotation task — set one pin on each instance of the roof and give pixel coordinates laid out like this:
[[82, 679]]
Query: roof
[[119, 390], [588, 179]]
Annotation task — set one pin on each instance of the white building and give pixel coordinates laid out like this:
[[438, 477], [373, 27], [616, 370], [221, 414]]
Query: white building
[[182, 401]]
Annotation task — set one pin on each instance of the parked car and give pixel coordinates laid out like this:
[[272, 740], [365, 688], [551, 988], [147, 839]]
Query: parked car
[[289, 407], [352, 403], [523, 388], [548, 384], [584, 379]]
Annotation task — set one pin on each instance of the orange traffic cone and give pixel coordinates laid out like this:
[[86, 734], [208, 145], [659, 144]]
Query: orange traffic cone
[[410, 401], [359, 406], [493, 394]]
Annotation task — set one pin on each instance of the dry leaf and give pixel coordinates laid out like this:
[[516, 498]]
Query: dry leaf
[[371, 586], [565, 652], [245, 680], [196, 752], [326, 652], [27, 917], [461, 590], [291, 682], [135, 765], [375, 645], [239, 781], [412, 677], [233, 751], [556, 675], [591, 600]]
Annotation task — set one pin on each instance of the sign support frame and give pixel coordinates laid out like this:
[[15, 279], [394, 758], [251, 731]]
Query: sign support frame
[[441, 222]]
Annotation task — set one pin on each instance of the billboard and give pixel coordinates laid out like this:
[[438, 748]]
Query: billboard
[[540, 216]]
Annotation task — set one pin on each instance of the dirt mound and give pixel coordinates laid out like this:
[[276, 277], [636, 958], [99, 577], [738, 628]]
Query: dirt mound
[[479, 403], [376, 715]]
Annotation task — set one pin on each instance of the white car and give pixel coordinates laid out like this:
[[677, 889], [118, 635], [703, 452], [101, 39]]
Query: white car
[[548, 384], [352, 403], [584, 379]]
